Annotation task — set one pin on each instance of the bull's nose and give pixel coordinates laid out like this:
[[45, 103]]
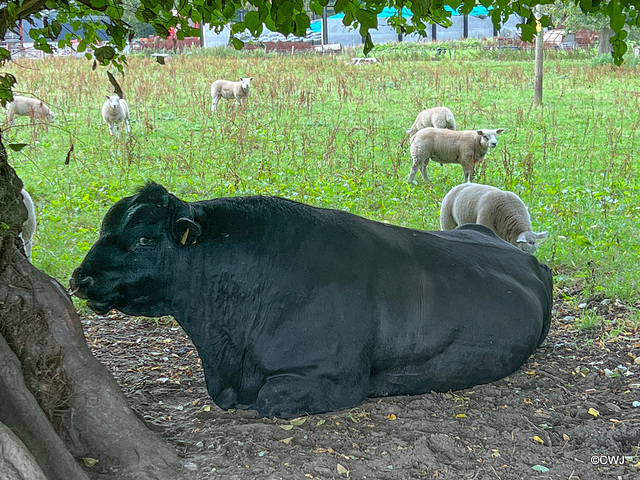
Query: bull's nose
[[78, 283]]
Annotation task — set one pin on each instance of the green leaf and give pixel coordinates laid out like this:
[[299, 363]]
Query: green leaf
[[252, 21], [540, 468], [368, 44], [302, 22], [367, 20], [104, 54], [298, 421], [237, 43], [16, 147], [340, 5]]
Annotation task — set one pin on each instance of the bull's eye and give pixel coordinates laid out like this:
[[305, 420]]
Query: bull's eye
[[144, 241]]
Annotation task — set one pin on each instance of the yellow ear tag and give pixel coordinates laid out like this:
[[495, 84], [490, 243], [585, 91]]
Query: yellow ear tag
[[183, 240]]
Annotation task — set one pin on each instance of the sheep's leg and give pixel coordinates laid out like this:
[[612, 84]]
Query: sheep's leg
[[127, 125], [111, 129], [468, 173], [423, 171], [419, 165], [414, 170], [214, 102]]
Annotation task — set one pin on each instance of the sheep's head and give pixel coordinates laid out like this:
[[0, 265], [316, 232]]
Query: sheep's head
[[51, 116], [488, 137], [528, 241], [114, 101], [245, 82]]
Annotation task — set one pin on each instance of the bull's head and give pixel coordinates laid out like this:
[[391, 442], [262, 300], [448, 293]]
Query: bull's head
[[128, 267]]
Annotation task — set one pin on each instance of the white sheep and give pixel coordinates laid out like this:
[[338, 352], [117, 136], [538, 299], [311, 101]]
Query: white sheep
[[438, 117], [466, 147], [116, 111], [29, 226], [31, 107], [228, 90], [501, 211]]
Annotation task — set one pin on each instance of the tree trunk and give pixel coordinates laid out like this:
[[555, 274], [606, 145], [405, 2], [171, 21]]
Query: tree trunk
[[82, 411], [17, 463], [605, 41]]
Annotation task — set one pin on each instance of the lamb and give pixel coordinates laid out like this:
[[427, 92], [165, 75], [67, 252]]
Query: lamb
[[501, 211], [438, 117], [29, 226], [466, 147], [228, 90], [116, 111], [31, 107]]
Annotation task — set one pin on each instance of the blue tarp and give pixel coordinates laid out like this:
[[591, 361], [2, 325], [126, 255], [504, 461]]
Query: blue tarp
[[478, 10]]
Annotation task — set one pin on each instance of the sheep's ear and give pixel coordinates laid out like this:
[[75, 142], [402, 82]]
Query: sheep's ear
[[522, 238], [108, 98], [250, 78], [542, 235], [480, 132], [499, 130]]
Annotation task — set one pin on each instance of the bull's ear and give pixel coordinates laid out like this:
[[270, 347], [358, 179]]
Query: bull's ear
[[155, 194], [187, 231]]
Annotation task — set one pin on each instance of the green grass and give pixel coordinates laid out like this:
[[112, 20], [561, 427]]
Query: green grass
[[332, 135]]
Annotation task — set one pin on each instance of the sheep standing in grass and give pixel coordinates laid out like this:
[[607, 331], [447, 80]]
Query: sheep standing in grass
[[501, 211], [228, 90], [438, 117], [31, 107], [116, 111], [466, 147], [29, 226]]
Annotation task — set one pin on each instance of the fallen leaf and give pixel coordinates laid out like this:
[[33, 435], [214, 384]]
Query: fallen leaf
[[90, 462], [593, 411], [531, 372], [298, 421], [540, 468], [342, 470], [320, 422], [286, 441], [565, 437], [461, 415], [539, 440], [206, 408], [391, 416], [286, 427]]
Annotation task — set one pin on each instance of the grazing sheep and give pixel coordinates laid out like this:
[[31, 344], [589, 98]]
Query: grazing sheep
[[29, 226], [31, 107], [438, 117], [501, 211], [116, 111], [466, 147], [228, 90]]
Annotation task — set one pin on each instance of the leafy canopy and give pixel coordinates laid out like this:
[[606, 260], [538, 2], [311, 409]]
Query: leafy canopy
[[285, 16]]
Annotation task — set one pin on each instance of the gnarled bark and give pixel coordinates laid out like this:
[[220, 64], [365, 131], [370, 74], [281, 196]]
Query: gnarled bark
[[77, 396]]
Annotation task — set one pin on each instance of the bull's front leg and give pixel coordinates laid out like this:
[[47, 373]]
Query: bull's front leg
[[287, 395]]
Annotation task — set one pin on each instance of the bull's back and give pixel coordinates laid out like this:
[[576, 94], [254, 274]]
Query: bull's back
[[470, 310]]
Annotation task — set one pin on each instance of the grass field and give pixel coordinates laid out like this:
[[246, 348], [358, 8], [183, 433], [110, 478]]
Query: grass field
[[332, 135]]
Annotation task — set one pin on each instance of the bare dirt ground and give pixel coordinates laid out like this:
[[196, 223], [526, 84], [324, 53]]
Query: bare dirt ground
[[568, 413]]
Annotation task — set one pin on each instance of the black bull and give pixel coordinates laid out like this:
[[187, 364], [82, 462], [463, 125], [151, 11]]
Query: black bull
[[296, 309]]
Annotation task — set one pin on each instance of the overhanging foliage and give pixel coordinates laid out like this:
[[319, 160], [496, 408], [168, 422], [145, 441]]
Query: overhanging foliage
[[284, 16]]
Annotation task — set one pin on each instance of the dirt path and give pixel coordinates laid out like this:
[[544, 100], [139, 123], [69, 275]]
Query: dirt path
[[568, 413]]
